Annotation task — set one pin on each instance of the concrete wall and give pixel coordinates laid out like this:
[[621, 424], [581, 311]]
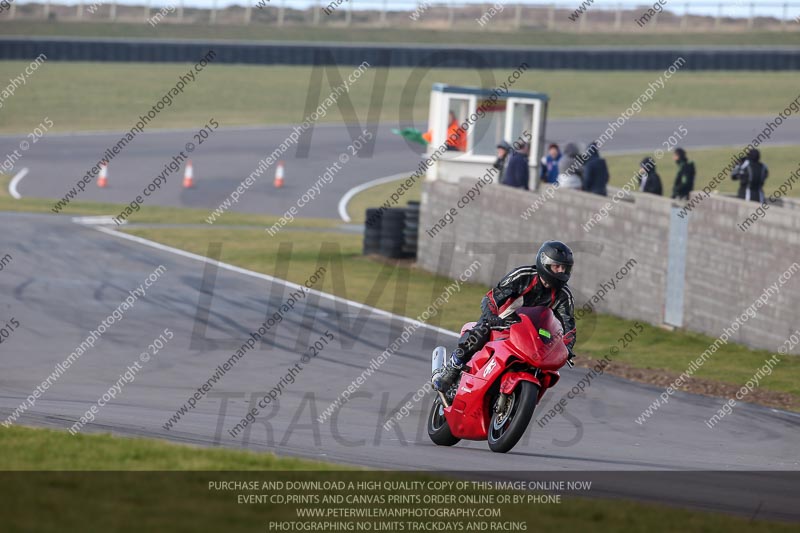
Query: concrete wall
[[726, 269]]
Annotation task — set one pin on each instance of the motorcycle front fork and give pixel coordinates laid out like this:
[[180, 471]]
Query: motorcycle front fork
[[444, 399], [500, 404]]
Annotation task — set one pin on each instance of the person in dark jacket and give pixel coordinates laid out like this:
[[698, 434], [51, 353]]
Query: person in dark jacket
[[736, 175], [649, 180], [595, 172], [752, 174], [684, 179], [517, 171], [503, 151], [542, 284], [548, 170]]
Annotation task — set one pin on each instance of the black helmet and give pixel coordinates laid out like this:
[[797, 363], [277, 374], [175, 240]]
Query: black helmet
[[554, 253]]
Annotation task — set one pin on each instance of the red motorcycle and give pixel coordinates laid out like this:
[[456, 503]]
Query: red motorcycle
[[496, 395]]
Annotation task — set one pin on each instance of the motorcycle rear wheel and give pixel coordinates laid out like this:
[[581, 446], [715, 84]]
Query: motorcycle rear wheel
[[506, 428], [438, 429]]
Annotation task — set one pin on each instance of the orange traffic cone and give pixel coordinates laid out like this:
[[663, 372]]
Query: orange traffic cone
[[102, 179], [279, 175], [188, 175]]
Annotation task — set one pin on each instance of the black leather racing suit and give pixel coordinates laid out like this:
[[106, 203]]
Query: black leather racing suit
[[522, 281]]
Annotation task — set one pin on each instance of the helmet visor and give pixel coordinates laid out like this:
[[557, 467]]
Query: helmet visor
[[549, 263]]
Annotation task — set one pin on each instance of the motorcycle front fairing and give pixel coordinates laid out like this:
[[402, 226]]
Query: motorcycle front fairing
[[536, 341], [539, 338], [469, 414]]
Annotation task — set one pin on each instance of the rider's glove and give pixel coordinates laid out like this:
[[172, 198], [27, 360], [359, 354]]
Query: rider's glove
[[494, 321]]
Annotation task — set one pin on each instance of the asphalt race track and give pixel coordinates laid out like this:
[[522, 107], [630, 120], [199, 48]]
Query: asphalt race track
[[58, 264], [57, 162]]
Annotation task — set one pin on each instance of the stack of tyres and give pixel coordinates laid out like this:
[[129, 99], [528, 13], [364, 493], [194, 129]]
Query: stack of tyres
[[392, 226], [372, 232], [411, 230]]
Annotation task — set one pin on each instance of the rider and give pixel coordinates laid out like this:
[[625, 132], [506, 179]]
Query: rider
[[544, 284]]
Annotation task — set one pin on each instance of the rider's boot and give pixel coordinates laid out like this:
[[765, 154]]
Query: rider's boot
[[450, 373]]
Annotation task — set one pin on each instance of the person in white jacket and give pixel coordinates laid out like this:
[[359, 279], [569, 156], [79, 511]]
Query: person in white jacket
[[570, 168]]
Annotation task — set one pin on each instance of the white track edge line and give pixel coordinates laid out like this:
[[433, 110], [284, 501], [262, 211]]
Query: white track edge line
[[244, 271], [12, 185], [364, 186]]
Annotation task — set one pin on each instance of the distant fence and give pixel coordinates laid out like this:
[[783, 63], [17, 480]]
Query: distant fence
[[379, 55], [497, 15]]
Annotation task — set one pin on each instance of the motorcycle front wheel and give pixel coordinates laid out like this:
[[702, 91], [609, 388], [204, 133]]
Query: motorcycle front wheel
[[438, 430], [507, 427]]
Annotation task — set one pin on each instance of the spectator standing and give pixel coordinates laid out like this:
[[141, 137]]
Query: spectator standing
[[548, 172], [752, 174], [737, 170], [649, 180], [517, 171], [595, 172], [503, 151], [570, 168], [684, 179]]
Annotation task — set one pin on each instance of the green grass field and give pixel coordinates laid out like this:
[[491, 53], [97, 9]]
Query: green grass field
[[260, 32], [151, 485], [113, 95], [32, 449]]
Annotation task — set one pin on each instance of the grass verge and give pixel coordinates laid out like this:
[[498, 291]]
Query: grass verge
[[29, 449], [160, 500], [113, 95]]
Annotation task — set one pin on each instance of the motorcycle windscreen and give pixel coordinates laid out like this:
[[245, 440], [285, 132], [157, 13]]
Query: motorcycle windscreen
[[539, 337]]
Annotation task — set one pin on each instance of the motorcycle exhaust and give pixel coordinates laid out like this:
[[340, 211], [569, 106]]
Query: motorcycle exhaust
[[438, 358]]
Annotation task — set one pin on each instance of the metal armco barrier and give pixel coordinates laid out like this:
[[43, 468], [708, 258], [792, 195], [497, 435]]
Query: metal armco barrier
[[379, 55]]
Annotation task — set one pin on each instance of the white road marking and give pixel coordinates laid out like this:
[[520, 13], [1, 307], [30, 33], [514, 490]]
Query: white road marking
[[232, 268], [12, 185], [364, 186], [102, 220]]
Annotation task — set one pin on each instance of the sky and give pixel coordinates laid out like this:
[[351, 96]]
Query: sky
[[709, 7]]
